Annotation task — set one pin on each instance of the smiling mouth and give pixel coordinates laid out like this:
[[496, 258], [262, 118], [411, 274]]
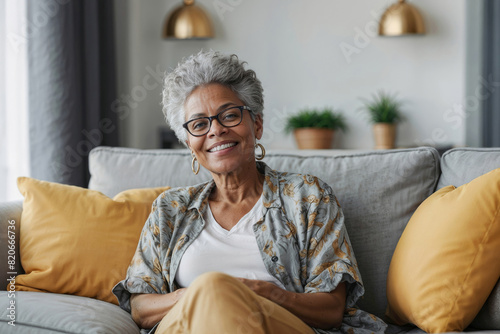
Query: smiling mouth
[[221, 147]]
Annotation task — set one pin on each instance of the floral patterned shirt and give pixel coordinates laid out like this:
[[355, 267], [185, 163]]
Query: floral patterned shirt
[[301, 235]]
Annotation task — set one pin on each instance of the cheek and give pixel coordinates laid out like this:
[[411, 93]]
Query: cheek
[[189, 143], [194, 146]]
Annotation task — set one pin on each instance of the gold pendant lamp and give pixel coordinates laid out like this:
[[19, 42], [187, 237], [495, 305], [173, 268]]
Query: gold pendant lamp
[[188, 22], [401, 18]]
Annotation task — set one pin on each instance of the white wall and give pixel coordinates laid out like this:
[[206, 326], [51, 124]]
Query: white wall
[[295, 46]]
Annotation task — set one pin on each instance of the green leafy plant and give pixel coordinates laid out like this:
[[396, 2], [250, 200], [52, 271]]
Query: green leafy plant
[[315, 118], [384, 108]]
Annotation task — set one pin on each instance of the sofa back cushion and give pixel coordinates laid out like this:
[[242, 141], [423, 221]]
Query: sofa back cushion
[[461, 165], [378, 191]]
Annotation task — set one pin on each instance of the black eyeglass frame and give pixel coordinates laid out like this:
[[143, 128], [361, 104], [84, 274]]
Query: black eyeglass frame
[[211, 118]]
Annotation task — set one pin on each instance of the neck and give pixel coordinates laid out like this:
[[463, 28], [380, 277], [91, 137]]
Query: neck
[[237, 187]]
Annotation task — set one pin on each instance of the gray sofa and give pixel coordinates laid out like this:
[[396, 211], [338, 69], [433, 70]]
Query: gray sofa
[[378, 190]]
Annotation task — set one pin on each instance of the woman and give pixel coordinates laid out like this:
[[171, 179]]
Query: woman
[[251, 251]]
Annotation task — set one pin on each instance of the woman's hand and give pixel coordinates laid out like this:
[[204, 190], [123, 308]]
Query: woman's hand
[[263, 288], [149, 308], [323, 310]]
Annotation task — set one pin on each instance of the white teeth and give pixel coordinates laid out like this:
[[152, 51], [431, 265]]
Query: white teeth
[[221, 147]]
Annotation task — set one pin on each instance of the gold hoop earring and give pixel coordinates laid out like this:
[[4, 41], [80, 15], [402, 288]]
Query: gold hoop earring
[[193, 162], [263, 152]]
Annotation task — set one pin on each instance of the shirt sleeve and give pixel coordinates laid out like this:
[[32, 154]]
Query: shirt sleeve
[[330, 259], [144, 275]]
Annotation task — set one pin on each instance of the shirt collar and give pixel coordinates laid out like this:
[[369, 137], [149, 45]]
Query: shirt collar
[[200, 195], [271, 191]]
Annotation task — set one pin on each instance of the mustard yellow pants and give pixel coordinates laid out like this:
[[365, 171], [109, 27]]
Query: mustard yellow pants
[[219, 303]]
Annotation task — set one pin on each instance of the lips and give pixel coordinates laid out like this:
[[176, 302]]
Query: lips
[[220, 147]]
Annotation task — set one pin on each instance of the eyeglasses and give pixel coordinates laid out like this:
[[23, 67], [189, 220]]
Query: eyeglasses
[[227, 118]]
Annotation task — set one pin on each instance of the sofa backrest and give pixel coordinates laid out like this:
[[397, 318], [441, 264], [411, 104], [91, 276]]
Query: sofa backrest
[[378, 191]]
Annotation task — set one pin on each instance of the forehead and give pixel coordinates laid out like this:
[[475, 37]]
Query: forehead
[[209, 99]]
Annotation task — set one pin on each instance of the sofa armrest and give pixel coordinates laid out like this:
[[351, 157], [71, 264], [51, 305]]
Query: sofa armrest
[[10, 215]]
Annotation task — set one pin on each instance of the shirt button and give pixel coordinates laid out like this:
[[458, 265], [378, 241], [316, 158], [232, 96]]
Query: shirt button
[[186, 238], [274, 258]]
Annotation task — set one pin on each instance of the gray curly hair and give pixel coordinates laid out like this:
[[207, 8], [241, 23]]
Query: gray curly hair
[[205, 68]]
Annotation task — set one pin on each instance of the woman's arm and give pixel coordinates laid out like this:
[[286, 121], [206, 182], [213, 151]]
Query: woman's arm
[[323, 310], [149, 308]]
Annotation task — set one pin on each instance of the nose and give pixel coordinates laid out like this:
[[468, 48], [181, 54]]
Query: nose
[[216, 129]]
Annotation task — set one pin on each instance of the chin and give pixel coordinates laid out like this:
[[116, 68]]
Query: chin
[[226, 166]]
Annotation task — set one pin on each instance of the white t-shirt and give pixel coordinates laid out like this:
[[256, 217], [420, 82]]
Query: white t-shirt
[[233, 252]]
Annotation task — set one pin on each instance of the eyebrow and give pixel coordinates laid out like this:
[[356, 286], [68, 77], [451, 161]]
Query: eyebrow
[[221, 108]]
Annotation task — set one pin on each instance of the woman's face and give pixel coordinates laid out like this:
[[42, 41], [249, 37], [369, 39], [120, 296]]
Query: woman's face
[[207, 101]]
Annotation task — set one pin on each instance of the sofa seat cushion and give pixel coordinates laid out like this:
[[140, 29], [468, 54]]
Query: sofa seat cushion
[[39, 313], [378, 192]]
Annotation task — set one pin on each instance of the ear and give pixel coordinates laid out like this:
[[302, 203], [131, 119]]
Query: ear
[[258, 126]]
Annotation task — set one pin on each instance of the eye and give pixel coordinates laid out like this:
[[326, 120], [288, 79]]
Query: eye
[[198, 124], [230, 115]]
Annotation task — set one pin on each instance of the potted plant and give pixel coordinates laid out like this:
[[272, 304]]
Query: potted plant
[[315, 129], [385, 112]]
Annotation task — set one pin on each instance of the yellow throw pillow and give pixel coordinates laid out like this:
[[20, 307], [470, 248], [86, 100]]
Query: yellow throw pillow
[[447, 260], [78, 241]]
